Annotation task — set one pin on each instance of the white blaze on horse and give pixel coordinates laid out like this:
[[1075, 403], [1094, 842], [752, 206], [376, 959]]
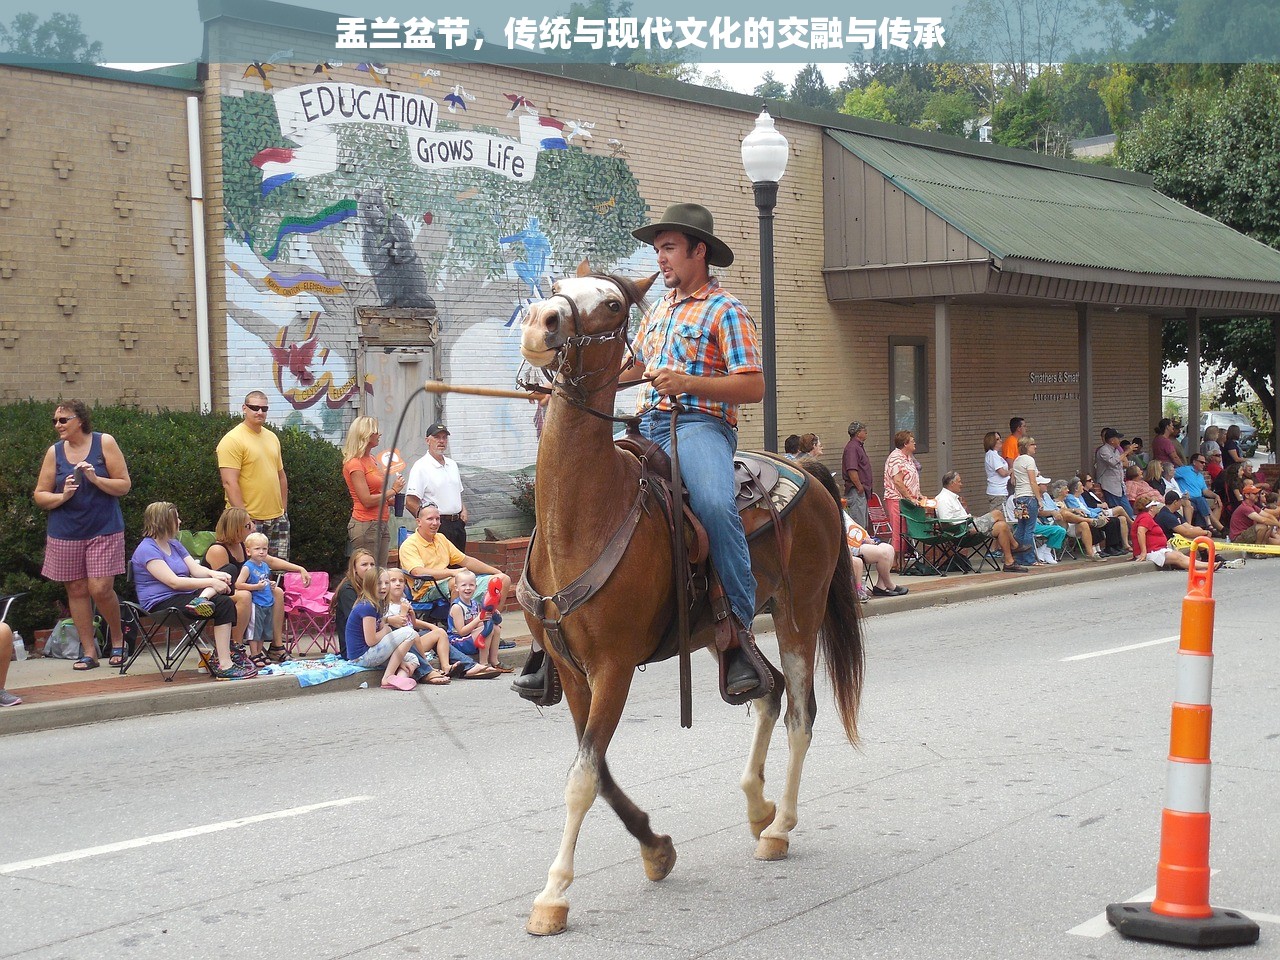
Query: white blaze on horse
[[587, 490]]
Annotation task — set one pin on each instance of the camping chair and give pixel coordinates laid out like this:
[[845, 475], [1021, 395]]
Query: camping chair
[[978, 550], [169, 636], [429, 597], [931, 545], [307, 614], [881, 528], [6, 602]]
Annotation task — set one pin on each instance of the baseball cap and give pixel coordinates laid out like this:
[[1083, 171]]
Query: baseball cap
[[1041, 478], [1251, 488], [1108, 433], [436, 428]]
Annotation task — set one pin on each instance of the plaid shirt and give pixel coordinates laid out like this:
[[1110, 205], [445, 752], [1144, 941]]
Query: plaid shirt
[[706, 332]]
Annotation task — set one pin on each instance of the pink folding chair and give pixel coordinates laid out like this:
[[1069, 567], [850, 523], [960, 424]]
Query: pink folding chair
[[307, 615]]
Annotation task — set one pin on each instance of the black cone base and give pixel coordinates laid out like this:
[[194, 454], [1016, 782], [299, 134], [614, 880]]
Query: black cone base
[[1226, 928]]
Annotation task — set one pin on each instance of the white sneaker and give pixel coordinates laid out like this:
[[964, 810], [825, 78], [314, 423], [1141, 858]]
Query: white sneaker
[[1235, 564]]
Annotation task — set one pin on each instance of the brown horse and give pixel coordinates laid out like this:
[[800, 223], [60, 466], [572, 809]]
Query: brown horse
[[585, 488]]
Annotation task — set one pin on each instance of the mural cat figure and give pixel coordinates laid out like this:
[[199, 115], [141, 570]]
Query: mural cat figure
[[398, 274]]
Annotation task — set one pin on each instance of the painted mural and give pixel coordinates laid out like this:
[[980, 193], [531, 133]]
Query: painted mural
[[340, 195]]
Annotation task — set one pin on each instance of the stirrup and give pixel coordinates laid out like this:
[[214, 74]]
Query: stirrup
[[545, 689], [747, 650]]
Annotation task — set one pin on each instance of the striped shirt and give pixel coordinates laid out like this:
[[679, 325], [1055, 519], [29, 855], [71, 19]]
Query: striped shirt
[[705, 332]]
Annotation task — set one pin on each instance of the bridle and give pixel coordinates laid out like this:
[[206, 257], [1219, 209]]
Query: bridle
[[571, 384]]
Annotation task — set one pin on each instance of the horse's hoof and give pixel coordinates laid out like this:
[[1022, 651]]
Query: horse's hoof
[[547, 921], [772, 848], [659, 860], [758, 826]]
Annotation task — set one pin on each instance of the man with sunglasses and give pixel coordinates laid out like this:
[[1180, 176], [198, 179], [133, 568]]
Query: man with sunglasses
[[253, 474]]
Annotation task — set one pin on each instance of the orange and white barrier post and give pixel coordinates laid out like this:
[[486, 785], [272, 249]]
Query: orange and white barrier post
[[1181, 912]]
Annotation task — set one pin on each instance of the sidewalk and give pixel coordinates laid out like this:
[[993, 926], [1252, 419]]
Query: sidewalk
[[54, 695]]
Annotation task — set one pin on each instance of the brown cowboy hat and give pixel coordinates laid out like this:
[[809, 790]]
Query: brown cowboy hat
[[695, 220]]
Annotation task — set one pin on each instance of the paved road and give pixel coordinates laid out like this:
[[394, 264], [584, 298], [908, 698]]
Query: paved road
[[1002, 798]]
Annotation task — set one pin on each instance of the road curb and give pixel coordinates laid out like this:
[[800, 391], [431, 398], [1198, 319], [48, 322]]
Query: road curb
[[78, 711]]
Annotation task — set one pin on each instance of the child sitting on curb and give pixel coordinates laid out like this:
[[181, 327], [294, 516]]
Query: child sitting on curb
[[453, 662], [369, 636], [467, 624]]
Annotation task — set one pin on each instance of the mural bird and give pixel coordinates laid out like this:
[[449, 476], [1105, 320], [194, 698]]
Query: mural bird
[[578, 128], [377, 72], [261, 68], [427, 76], [518, 101], [616, 149], [297, 359], [327, 66], [458, 98]]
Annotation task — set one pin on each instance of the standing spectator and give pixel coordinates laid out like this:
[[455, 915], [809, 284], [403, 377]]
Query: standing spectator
[[1231, 452], [7, 699], [1163, 447], [253, 473], [435, 478], [951, 506], [856, 466], [1009, 449], [1026, 496], [791, 446], [255, 577], [997, 470], [81, 481], [1136, 454], [810, 446], [901, 482], [363, 473], [1110, 461], [166, 576]]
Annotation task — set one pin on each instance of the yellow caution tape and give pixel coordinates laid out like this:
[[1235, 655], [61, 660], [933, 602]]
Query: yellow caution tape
[[1182, 543]]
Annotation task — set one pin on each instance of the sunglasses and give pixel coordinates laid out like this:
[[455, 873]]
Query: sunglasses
[[256, 408], [63, 421]]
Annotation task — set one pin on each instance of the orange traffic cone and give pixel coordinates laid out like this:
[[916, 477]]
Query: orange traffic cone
[[1181, 912]]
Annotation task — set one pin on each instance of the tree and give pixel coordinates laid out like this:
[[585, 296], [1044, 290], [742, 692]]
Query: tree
[[948, 112], [770, 88], [810, 89], [868, 102], [1116, 92], [60, 38], [1218, 151]]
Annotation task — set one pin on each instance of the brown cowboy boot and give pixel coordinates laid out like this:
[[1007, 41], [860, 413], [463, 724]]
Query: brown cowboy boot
[[744, 673]]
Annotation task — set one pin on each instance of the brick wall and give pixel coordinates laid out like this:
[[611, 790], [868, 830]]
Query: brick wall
[[96, 269]]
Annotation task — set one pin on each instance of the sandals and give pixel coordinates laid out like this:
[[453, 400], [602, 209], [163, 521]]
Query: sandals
[[117, 657], [277, 654], [435, 679], [85, 663], [259, 660]]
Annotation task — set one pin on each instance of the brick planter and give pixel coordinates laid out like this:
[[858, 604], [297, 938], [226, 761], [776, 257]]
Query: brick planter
[[507, 555]]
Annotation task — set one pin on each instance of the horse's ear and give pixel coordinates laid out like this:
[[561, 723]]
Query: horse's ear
[[584, 268], [644, 285]]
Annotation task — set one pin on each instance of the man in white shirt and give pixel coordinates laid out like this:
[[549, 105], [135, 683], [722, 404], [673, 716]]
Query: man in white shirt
[[952, 507], [435, 478]]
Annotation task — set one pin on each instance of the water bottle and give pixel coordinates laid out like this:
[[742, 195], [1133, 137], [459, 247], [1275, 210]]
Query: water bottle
[[19, 647], [399, 507]]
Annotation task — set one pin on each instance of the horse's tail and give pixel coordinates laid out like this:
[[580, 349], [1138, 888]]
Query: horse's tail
[[841, 630]]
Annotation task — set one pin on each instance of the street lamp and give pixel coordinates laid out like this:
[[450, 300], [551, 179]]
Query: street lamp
[[764, 156]]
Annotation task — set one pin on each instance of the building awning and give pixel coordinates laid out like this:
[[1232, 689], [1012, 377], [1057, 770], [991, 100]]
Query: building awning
[[909, 221]]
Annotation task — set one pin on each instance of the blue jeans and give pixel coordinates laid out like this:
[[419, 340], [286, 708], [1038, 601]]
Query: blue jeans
[[1119, 501], [1024, 532], [707, 445]]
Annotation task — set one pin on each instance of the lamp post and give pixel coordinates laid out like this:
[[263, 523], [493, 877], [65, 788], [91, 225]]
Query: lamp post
[[764, 156]]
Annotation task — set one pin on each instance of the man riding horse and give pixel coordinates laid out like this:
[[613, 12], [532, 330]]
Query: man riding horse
[[699, 344]]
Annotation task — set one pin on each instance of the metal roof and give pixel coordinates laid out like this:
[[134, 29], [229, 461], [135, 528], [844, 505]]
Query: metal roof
[[1025, 211]]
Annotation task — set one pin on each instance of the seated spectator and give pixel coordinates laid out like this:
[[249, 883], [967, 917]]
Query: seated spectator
[[1253, 523], [1136, 454], [866, 549], [1192, 480], [7, 699], [408, 625], [1135, 485], [370, 640], [345, 593], [1115, 529], [1172, 522], [1150, 542], [467, 621], [810, 446], [1163, 446], [791, 446], [165, 576], [1154, 475], [1231, 452], [951, 506], [427, 553], [1212, 450], [1053, 506]]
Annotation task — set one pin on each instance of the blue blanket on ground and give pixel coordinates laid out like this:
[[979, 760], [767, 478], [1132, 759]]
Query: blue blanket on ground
[[311, 672]]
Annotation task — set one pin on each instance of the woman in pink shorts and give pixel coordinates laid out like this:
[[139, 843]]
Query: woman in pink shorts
[[81, 482]]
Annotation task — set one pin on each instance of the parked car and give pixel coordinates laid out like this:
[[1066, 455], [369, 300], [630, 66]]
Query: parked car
[[1225, 418]]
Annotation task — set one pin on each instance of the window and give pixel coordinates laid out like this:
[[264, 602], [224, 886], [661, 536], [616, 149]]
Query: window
[[908, 389]]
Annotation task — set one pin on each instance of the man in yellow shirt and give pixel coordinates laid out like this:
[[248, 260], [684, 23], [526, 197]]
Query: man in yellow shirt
[[253, 475], [428, 553]]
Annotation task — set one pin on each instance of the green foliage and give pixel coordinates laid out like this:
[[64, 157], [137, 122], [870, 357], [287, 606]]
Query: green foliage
[[948, 112], [1218, 151], [59, 38], [1116, 92], [869, 102], [770, 88], [171, 456], [249, 125], [524, 497], [809, 89]]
